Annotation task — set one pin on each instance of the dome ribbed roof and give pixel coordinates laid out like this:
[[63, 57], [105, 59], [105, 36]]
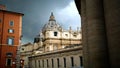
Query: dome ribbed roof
[[52, 24]]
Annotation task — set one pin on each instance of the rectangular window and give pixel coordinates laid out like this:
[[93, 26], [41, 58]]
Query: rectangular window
[[47, 62], [55, 33], [10, 41], [35, 64], [81, 61], [64, 62], [39, 63], [58, 62], [43, 62], [72, 61], [9, 62], [11, 23], [52, 63], [10, 31]]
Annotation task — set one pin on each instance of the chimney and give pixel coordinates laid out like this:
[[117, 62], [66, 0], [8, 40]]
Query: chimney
[[2, 7]]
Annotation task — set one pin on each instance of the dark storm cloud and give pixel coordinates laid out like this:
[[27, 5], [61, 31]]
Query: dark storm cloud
[[36, 12]]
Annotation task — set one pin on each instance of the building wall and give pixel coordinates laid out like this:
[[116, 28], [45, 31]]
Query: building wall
[[4, 50], [63, 38], [6, 17], [26, 51], [45, 60], [63, 34], [39, 60], [52, 39], [1, 23]]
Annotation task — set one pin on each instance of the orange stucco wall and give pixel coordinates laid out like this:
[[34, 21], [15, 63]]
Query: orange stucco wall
[[6, 17], [5, 25], [4, 50]]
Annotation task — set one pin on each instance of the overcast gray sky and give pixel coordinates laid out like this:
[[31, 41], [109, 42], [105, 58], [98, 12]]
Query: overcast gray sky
[[37, 12]]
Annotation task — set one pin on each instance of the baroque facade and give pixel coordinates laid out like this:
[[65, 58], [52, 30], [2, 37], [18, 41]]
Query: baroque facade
[[54, 47]]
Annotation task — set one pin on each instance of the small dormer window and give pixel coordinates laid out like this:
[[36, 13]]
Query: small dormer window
[[55, 33]]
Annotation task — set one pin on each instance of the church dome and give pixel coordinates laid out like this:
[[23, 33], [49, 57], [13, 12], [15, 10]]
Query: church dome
[[52, 24]]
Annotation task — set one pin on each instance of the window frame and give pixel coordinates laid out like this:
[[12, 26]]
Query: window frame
[[10, 41], [47, 62], [43, 63], [58, 62], [64, 61], [52, 62], [72, 61], [10, 30], [11, 23], [7, 61], [81, 61], [55, 33], [39, 63]]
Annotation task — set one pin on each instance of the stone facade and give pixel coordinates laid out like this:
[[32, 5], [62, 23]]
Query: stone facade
[[101, 32], [55, 37], [64, 58], [53, 45], [25, 52]]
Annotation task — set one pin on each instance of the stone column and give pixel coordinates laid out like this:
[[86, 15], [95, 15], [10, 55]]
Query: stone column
[[55, 63], [84, 26], [112, 19], [96, 36]]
